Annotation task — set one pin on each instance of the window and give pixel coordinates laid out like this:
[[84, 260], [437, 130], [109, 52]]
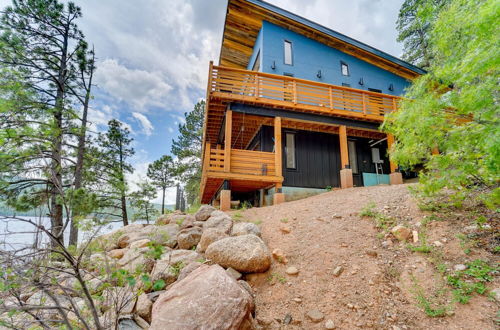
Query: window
[[256, 64], [288, 52], [346, 85], [344, 68], [353, 160], [290, 150]]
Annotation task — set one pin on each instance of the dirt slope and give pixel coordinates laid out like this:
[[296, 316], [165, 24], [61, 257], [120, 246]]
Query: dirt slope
[[377, 286]]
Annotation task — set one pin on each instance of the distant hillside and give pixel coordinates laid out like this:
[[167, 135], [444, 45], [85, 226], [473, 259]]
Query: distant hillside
[[5, 210]]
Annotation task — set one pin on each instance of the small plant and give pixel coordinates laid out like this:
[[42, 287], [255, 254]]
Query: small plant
[[257, 222], [278, 277], [423, 247], [384, 222], [471, 280], [176, 268], [246, 205], [328, 188], [466, 243], [155, 250], [237, 216], [284, 220], [180, 221], [430, 306], [368, 210]]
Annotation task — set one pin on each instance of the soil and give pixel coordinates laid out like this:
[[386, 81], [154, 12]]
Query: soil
[[378, 283]]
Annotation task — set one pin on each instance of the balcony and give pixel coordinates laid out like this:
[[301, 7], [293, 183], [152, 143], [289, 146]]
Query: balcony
[[272, 90]]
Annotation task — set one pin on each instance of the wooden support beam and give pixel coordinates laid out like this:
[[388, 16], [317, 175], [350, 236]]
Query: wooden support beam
[[344, 151], [227, 141], [390, 142], [277, 147]]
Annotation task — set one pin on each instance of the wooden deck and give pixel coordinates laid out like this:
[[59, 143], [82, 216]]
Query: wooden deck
[[246, 169], [226, 85]]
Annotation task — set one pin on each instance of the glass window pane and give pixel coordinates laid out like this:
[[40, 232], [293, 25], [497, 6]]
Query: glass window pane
[[288, 52], [353, 161], [290, 150], [345, 69], [256, 64]]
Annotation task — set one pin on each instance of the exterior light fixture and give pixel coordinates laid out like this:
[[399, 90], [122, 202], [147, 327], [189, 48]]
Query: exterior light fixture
[[318, 74], [391, 87], [361, 81], [273, 66]]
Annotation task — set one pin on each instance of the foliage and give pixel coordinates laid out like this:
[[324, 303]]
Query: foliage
[[188, 148], [161, 173], [454, 107], [113, 151], [414, 22], [368, 210], [471, 280], [141, 200]]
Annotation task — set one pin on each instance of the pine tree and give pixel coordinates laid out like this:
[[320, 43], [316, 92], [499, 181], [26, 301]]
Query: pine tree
[[413, 24], [39, 43], [114, 150], [187, 148], [161, 173], [141, 200]]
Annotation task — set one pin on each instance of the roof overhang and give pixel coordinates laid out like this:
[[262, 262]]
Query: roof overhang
[[244, 21]]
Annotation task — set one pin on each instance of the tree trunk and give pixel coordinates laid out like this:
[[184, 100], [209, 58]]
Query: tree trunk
[[73, 235], [124, 210], [163, 202], [56, 215]]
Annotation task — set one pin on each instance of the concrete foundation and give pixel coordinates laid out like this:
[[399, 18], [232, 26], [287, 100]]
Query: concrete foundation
[[225, 200], [278, 198], [396, 178], [346, 178]]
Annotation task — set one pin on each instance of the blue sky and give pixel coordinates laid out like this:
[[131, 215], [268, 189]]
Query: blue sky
[[153, 57]]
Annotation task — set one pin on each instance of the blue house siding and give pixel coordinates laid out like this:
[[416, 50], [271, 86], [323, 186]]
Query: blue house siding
[[310, 56]]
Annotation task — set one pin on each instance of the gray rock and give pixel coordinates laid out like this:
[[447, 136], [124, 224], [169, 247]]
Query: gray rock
[[204, 212], [496, 294], [459, 267], [219, 220], [234, 273], [188, 269], [247, 253], [245, 228], [189, 237], [209, 236], [136, 259], [329, 324], [315, 315], [128, 324], [292, 270]]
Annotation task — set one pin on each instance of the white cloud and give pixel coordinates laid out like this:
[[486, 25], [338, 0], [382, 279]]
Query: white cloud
[[146, 125], [139, 88], [170, 130]]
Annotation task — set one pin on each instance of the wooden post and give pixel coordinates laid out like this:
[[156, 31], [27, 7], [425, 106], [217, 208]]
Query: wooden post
[[277, 147], [206, 163], [390, 142], [257, 85], [225, 197], [344, 151], [346, 180], [227, 141], [330, 96], [364, 102], [279, 196], [294, 84], [394, 177]]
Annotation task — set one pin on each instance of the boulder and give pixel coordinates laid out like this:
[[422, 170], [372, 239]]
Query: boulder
[[209, 236], [110, 240], [189, 237], [219, 220], [188, 222], [204, 212], [401, 232], [140, 243], [246, 253], [143, 307], [116, 253], [171, 264], [208, 298], [245, 228], [120, 299], [163, 219], [128, 324], [135, 259], [188, 269], [164, 235]]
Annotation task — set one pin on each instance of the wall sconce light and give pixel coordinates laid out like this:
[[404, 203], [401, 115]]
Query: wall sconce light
[[273, 66], [361, 81], [318, 74], [391, 87]]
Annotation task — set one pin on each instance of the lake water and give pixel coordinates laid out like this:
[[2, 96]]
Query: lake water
[[15, 234]]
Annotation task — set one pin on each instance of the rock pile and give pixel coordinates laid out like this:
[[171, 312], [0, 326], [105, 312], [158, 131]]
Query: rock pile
[[199, 260]]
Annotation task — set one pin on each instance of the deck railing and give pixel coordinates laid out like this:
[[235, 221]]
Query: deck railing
[[242, 162], [291, 92]]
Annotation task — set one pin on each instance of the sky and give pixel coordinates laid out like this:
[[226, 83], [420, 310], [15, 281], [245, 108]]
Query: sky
[[153, 56]]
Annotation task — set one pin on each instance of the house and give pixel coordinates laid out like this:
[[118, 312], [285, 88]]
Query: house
[[294, 108]]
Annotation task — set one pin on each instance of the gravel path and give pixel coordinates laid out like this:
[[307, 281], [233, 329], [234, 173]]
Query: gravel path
[[323, 236]]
